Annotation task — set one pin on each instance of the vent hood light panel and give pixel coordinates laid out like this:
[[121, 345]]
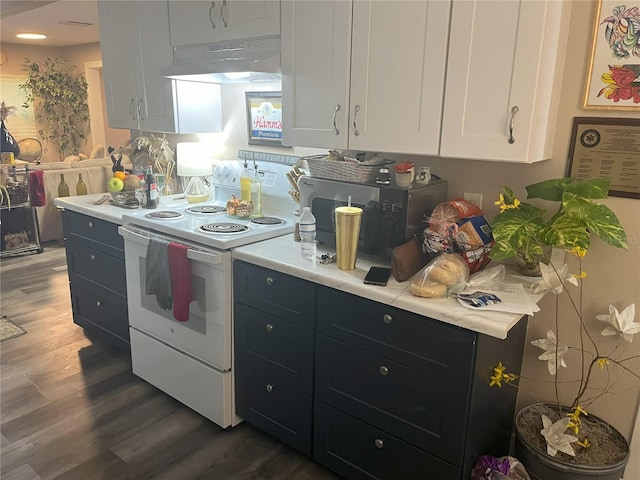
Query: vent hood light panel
[[209, 62]]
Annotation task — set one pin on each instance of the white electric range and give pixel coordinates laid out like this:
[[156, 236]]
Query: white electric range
[[193, 360]]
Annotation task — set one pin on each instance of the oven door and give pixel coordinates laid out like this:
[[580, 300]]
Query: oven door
[[207, 335]]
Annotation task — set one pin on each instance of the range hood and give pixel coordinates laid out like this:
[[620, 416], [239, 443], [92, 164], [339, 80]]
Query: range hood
[[257, 58]]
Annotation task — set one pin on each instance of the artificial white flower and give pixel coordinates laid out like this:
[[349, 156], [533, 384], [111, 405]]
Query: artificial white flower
[[620, 323], [550, 345], [552, 279], [556, 439]]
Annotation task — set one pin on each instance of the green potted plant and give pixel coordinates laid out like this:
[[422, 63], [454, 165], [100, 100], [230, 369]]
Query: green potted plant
[[521, 230], [59, 95], [562, 440]]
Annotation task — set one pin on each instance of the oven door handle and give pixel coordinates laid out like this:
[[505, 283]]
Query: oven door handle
[[192, 254]]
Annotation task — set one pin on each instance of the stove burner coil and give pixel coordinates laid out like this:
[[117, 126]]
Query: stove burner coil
[[206, 209], [224, 228], [163, 215], [267, 221]]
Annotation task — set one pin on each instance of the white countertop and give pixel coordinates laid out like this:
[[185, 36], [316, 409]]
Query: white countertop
[[283, 255], [85, 204]]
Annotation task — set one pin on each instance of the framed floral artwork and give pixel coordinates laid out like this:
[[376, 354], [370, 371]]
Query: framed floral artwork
[[613, 77]]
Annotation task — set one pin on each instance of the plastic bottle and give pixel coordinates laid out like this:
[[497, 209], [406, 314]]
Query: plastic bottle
[[246, 179], [256, 193], [63, 188], [81, 188], [308, 234], [151, 188]]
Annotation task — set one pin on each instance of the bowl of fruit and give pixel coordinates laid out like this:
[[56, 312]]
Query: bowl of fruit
[[122, 188]]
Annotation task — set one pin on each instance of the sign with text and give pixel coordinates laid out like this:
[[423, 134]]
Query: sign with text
[[264, 118]]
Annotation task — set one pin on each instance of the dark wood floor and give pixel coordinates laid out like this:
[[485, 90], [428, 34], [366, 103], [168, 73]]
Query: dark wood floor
[[72, 409]]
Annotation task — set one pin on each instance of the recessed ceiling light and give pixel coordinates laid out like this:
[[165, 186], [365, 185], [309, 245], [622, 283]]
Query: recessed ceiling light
[[31, 36]]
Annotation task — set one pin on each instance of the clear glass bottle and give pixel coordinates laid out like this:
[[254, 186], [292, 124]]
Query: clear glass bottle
[[256, 193], [63, 188], [81, 188], [308, 234], [246, 179], [151, 188]]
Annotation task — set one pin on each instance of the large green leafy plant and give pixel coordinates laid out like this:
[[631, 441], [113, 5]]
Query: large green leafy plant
[[58, 92], [523, 230]]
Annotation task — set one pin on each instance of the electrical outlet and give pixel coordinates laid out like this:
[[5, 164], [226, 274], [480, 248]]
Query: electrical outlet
[[475, 198]]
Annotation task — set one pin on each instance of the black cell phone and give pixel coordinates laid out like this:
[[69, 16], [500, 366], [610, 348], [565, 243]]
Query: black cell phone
[[377, 276]]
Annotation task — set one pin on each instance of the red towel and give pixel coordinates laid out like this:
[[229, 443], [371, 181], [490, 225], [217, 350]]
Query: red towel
[[181, 280], [36, 185]]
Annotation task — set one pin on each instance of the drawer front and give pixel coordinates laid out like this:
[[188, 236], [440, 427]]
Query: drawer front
[[93, 232], [273, 406], [356, 450], [281, 348], [96, 266], [101, 307], [278, 294], [421, 409], [442, 351]]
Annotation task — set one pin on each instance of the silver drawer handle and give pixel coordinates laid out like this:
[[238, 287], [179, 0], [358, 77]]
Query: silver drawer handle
[[213, 24], [92, 257], [98, 303], [514, 110], [90, 224], [386, 318], [379, 443], [383, 370], [269, 328], [224, 21], [269, 281], [269, 388]]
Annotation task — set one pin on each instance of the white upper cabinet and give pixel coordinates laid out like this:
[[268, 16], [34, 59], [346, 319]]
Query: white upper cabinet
[[365, 75], [504, 74], [196, 22], [134, 38]]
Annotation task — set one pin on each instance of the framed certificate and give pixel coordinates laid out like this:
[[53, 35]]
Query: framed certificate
[[607, 147]]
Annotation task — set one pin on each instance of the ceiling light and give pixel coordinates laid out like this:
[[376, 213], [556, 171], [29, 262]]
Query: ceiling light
[[31, 36]]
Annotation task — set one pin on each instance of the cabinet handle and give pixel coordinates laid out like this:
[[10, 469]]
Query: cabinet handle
[[269, 328], [514, 110], [92, 257], [356, 109], [98, 303], [386, 318], [335, 127], [379, 443], [224, 22], [140, 110], [383, 370], [132, 113], [269, 281], [90, 224], [213, 24], [269, 388]]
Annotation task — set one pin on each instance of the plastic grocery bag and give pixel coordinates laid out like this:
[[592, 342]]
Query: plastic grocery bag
[[446, 274], [503, 468]]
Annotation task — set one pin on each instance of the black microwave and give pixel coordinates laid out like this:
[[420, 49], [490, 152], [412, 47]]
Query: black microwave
[[391, 214]]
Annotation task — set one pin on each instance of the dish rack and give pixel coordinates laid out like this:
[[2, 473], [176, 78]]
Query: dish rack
[[323, 167]]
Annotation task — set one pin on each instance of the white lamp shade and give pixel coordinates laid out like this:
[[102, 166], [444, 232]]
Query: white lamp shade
[[192, 160]]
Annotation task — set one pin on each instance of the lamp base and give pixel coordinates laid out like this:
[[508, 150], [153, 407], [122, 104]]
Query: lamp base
[[196, 191]]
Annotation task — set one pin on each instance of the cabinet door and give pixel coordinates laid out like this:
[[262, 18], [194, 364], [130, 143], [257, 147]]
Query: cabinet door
[[118, 33], [503, 56], [155, 93], [194, 22], [398, 60], [249, 18], [316, 55]]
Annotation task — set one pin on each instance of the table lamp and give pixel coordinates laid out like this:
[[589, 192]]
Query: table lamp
[[193, 163]]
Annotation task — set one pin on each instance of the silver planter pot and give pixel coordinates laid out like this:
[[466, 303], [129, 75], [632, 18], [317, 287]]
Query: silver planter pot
[[541, 466]]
